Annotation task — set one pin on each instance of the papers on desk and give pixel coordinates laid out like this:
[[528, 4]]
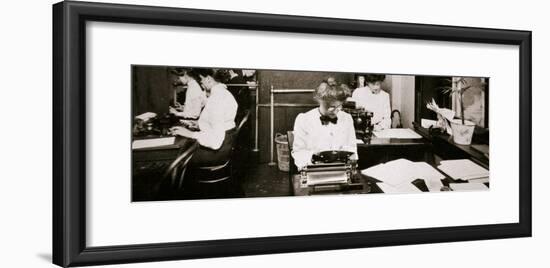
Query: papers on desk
[[464, 169], [146, 116], [149, 143], [397, 175], [397, 133], [470, 186], [402, 188]]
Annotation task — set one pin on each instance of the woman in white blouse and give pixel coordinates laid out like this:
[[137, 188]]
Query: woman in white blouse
[[325, 127], [195, 98], [372, 98], [216, 123]]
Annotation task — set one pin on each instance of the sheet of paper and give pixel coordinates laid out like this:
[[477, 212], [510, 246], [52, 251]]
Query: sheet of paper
[[393, 172], [358, 141], [146, 116], [149, 143], [463, 169], [397, 133], [423, 170], [480, 180], [470, 186], [399, 189], [401, 171], [434, 185]]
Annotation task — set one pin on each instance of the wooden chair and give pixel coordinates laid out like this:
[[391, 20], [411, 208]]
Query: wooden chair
[[171, 176], [205, 177], [176, 170], [292, 169]]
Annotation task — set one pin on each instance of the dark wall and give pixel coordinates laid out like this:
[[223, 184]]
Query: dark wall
[[152, 89], [426, 89], [285, 116]]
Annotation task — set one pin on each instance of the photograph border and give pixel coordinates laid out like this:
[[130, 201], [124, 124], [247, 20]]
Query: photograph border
[[69, 133]]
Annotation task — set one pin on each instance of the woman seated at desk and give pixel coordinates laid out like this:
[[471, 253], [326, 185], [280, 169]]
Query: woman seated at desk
[[195, 98], [216, 123], [324, 128], [372, 98]]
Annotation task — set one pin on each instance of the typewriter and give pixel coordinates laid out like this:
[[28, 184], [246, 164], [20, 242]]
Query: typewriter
[[331, 171], [361, 120], [151, 125]]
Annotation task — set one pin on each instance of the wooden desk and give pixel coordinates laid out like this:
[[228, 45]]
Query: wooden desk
[[149, 166], [444, 147], [162, 153], [158, 158], [381, 150]]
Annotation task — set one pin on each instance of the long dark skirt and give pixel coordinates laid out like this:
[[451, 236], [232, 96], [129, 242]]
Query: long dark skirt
[[206, 157]]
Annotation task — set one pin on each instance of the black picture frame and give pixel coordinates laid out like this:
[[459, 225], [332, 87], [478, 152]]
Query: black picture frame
[[69, 133]]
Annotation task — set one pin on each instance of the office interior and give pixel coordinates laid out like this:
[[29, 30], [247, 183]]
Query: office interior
[[261, 162]]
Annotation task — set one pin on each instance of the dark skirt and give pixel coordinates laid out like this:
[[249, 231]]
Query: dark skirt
[[206, 157]]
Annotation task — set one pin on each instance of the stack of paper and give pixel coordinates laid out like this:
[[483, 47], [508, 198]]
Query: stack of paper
[[464, 169], [149, 143], [146, 116], [402, 188], [470, 186], [397, 175], [397, 133]]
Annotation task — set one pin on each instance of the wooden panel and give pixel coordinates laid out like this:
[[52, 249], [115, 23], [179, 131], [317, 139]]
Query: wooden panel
[[285, 116], [151, 89], [295, 80], [426, 88]]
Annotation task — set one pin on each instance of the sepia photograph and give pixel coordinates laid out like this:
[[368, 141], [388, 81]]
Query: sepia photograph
[[204, 133], [181, 133]]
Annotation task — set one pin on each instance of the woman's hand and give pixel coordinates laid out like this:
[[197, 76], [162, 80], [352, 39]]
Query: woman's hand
[[181, 131], [175, 111], [190, 124]]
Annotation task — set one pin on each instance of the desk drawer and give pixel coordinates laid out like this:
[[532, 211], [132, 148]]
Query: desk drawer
[[155, 155]]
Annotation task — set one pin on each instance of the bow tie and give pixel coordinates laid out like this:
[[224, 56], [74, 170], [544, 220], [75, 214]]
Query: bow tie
[[327, 119]]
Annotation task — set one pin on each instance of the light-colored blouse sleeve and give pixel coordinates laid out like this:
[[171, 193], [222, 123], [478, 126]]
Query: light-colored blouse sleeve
[[194, 101], [212, 124], [300, 152], [357, 97]]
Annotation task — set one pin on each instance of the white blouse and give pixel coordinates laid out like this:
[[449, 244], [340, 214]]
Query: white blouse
[[378, 104], [217, 117], [311, 136], [195, 99]]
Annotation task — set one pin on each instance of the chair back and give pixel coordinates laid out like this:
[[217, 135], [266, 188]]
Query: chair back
[[176, 170], [222, 172], [243, 121], [292, 169]]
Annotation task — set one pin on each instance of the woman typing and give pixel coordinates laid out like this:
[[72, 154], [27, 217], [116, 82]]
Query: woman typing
[[195, 97], [216, 123], [324, 128], [374, 99]]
